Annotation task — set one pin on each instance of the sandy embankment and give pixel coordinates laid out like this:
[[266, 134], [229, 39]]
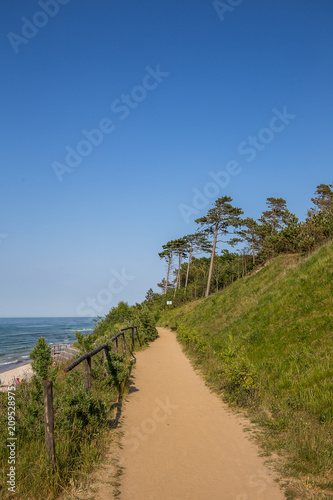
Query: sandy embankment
[[24, 372]]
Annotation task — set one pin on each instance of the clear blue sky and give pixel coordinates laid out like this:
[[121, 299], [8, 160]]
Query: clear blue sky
[[62, 243]]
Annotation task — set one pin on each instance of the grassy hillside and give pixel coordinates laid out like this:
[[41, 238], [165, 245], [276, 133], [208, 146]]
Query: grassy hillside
[[266, 342]]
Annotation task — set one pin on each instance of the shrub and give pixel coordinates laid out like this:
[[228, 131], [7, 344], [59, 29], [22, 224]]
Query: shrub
[[42, 359]]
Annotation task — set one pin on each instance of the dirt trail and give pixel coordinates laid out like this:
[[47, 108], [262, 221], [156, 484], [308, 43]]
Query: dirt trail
[[180, 441]]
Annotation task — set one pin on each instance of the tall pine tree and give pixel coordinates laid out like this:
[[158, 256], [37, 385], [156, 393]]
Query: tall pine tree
[[198, 242], [167, 254], [276, 215], [323, 199], [217, 222]]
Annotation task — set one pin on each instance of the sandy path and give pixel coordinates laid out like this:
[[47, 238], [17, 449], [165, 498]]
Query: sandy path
[[180, 441]]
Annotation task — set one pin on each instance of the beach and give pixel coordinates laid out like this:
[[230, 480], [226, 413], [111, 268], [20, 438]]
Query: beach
[[18, 336], [23, 372]]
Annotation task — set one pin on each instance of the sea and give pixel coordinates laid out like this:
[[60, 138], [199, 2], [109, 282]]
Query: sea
[[18, 336]]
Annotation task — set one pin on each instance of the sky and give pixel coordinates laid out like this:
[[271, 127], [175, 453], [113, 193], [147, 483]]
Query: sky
[[122, 122]]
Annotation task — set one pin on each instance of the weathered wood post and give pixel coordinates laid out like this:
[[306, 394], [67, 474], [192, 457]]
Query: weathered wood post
[[105, 356], [133, 336], [49, 421], [116, 345], [87, 374]]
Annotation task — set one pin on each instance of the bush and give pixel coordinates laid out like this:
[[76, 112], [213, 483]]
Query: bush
[[145, 322], [42, 359]]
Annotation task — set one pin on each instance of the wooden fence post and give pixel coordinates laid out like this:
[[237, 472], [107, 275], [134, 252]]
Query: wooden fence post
[[133, 336], [105, 356], [87, 374], [116, 344], [49, 421]]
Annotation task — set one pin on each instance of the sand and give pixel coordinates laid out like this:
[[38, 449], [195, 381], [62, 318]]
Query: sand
[[180, 441], [23, 372]]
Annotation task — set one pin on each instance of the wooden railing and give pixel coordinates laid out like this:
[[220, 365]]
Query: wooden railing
[[104, 347], [48, 384], [59, 348], [63, 352]]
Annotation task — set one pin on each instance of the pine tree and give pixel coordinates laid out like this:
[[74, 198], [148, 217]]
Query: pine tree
[[180, 248], [251, 235], [150, 295], [318, 226], [218, 221], [167, 254], [276, 215], [42, 358], [323, 199], [198, 242]]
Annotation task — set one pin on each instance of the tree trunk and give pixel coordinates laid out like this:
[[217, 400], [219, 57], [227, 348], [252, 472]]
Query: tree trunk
[[178, 274], [211, 262], [188, 265], [167, 278], [253, 254], [180, 263]]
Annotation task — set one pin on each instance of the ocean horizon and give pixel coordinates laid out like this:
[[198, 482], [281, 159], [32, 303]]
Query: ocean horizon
[[18, 336]]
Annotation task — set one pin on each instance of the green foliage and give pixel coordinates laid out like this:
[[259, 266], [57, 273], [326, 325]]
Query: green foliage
[[238, 373], [117, 369], [233, 368], [323, 199], [121, 315], [42, 359], [145, 321], [85, 342], [277, 214], [76, 406], [150, 296], [221, 216], [317, 228]]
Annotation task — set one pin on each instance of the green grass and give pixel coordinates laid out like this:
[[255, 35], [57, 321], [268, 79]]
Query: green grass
[[266, 342]]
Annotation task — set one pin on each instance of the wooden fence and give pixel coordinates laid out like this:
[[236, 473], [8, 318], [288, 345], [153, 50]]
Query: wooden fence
[[48, 384]]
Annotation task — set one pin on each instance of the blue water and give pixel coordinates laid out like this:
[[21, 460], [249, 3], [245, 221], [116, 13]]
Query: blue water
[[18, 336]]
